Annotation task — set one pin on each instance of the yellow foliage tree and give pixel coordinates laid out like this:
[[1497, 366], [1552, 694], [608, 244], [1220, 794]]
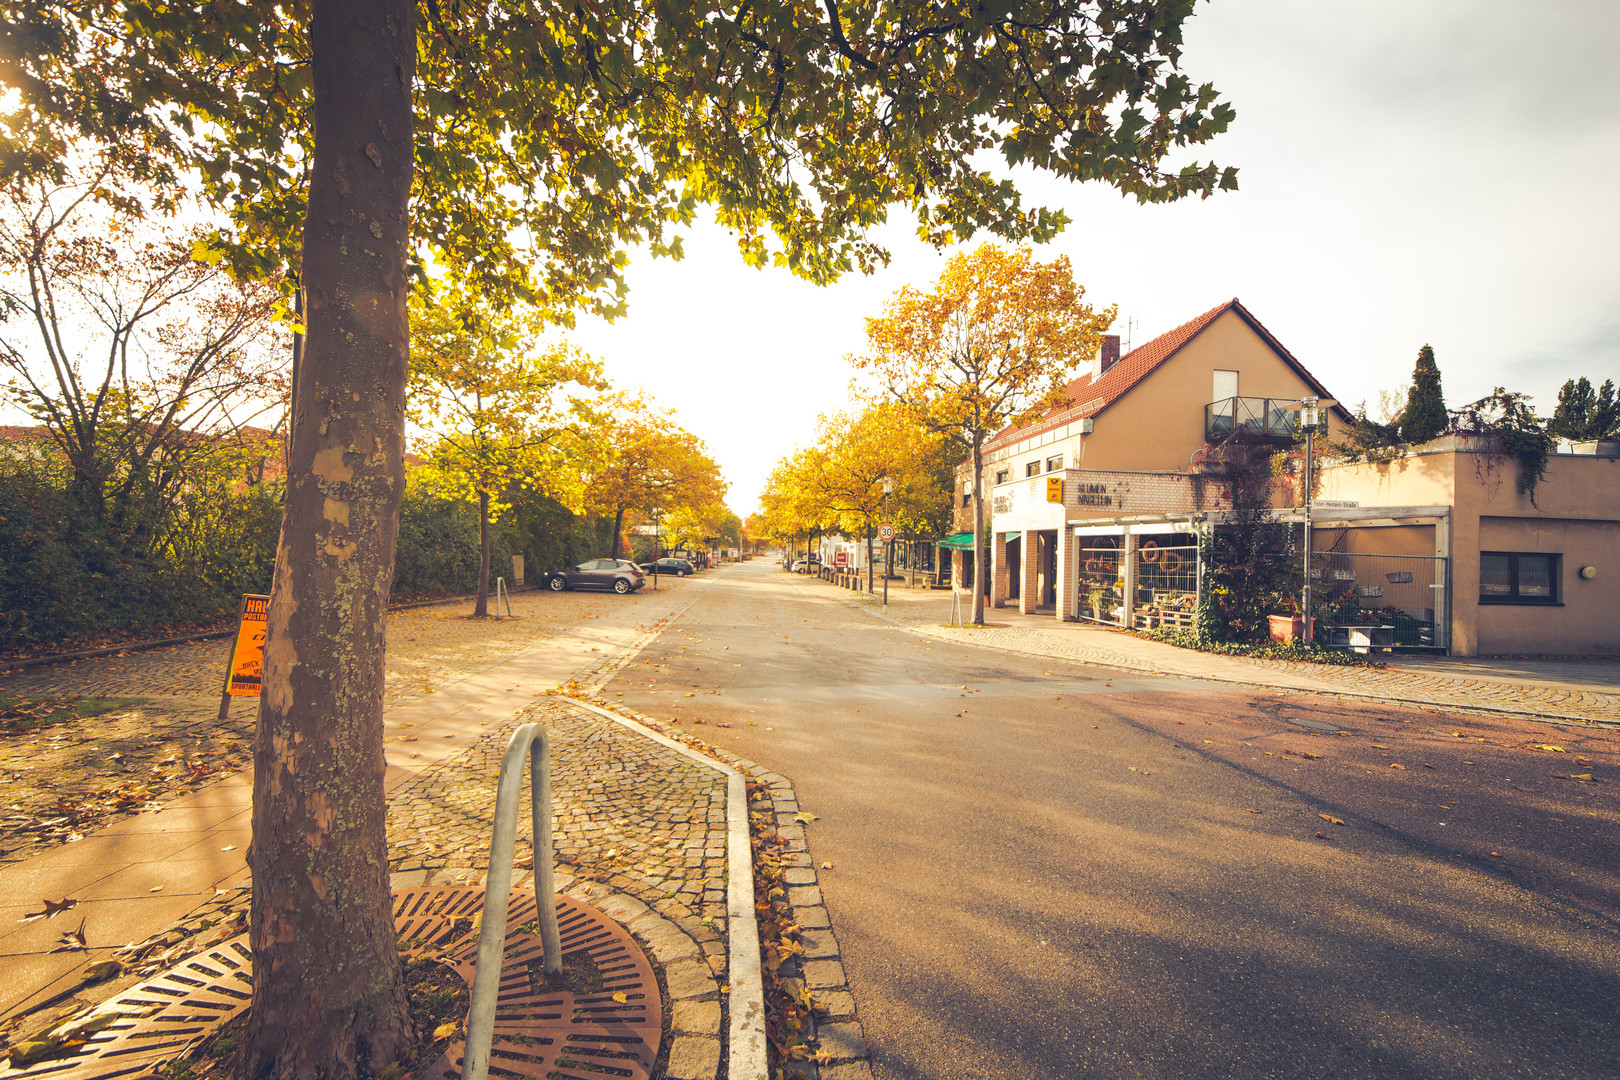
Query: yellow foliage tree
[[994, 342], [650, 464], [498, 408]]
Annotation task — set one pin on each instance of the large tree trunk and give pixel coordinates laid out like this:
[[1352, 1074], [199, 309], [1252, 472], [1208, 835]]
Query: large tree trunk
[[618, 523], [328, 998], [481, 606], [868, 559]]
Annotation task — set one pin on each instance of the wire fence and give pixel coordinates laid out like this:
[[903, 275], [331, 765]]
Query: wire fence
[[1370, 602], [1102, 586], [1166, 585]]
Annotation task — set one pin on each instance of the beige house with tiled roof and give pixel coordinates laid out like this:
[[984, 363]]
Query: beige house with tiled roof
[[1128, 444], [1092, 512]]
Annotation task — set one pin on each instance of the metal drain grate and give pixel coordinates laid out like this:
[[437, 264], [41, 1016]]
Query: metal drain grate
[[537, 1034]]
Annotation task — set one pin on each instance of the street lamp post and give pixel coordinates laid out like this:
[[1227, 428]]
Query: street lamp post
[[655, 550], [1311, 413], [888, 556]]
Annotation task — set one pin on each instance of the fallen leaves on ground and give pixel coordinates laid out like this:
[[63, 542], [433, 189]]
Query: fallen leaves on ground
[[73, 940], [1330, 817], [52, 907]]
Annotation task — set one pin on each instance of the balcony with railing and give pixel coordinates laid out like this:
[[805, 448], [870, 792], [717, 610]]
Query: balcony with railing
[[1251, 418]]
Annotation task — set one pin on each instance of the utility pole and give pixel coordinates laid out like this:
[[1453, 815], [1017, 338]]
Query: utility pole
[[1311, 415], [888, 556]]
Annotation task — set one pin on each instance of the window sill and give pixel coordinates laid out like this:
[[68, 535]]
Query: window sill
[[1498, 602]]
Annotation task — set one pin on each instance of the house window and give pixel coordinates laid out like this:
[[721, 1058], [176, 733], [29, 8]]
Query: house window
[[1003, 476], [1513, 577], [1225, 386], [1032, 469], [1054, 463], [967, 498]]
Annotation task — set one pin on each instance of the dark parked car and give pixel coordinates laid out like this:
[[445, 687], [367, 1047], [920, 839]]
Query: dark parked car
[[677, 567], [620, 575]]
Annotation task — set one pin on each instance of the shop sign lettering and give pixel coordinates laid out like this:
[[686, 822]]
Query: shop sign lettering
[[1094, 495]]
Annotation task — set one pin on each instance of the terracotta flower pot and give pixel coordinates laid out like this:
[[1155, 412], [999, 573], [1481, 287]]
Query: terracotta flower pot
[[1286, 628]]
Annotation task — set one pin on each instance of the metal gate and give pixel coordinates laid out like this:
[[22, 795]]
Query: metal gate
[[1102, 586], [1166, 585], [1373, 603]]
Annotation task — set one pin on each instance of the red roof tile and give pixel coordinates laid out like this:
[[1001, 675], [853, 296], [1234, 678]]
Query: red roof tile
[[1088, 396]]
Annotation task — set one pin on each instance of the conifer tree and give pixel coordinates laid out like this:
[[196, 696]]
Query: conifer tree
[[1584, 415], [1425, 414]]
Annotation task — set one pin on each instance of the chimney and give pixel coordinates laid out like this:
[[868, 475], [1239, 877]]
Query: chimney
[[1109, 355]]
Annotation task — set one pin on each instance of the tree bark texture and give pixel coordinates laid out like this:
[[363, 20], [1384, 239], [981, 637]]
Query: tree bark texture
[[618, 522], [868, 559], [328, 999], [481, 607]]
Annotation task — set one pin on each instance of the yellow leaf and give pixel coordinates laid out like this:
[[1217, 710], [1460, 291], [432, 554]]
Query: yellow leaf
[[1548, 746], [1396, 765], [1330, 817], [445, 1030], [621, 997]]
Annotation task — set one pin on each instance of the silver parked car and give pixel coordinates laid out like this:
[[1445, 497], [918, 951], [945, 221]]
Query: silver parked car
[[620, 575]]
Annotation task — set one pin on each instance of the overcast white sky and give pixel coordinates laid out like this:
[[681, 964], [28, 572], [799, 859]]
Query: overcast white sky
[[1442, 172]]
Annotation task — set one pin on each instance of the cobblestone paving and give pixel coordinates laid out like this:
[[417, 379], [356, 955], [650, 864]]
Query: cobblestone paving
[[175, 702], [926, 615], [628, 811]]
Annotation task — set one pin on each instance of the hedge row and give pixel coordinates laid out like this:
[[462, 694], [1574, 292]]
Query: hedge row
[[67, 572]]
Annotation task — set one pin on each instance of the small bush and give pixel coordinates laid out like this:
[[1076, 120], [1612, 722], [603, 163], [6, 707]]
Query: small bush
[[1293, 650]]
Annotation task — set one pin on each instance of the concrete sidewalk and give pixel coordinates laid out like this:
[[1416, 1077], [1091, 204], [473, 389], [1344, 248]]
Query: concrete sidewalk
[[138, 876], [1564, 690]]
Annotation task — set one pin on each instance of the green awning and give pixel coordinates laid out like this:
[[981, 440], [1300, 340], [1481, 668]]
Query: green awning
[[962, 541]]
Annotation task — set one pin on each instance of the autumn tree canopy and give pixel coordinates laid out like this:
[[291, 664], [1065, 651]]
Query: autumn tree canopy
[[498, 407], [549, 140], [994, 342], [648, 463]]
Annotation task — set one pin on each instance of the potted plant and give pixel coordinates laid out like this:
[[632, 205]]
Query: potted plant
[[1285, 627], [1095, 598]]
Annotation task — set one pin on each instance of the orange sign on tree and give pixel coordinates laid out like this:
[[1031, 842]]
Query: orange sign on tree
[[244, 677]]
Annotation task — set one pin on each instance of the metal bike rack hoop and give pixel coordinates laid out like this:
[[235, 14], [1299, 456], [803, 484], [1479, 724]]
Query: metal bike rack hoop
[[528, 741]]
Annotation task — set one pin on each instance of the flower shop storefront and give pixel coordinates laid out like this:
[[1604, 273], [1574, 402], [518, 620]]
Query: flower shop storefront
[[1378, 580], [1153, 565]]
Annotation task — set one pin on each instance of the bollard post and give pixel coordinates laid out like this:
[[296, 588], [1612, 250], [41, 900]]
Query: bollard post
[[528, 741]]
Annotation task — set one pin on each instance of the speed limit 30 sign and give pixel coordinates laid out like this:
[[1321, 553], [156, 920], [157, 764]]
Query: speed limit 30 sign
[[885, 533]]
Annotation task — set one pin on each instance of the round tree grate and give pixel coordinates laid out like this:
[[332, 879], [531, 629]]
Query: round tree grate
[[613, 1032]]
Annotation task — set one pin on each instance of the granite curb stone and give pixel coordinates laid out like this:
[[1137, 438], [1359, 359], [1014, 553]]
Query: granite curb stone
[[835, 1002]]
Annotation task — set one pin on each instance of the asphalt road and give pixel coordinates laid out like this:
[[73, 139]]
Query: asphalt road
[[1047, 870]]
